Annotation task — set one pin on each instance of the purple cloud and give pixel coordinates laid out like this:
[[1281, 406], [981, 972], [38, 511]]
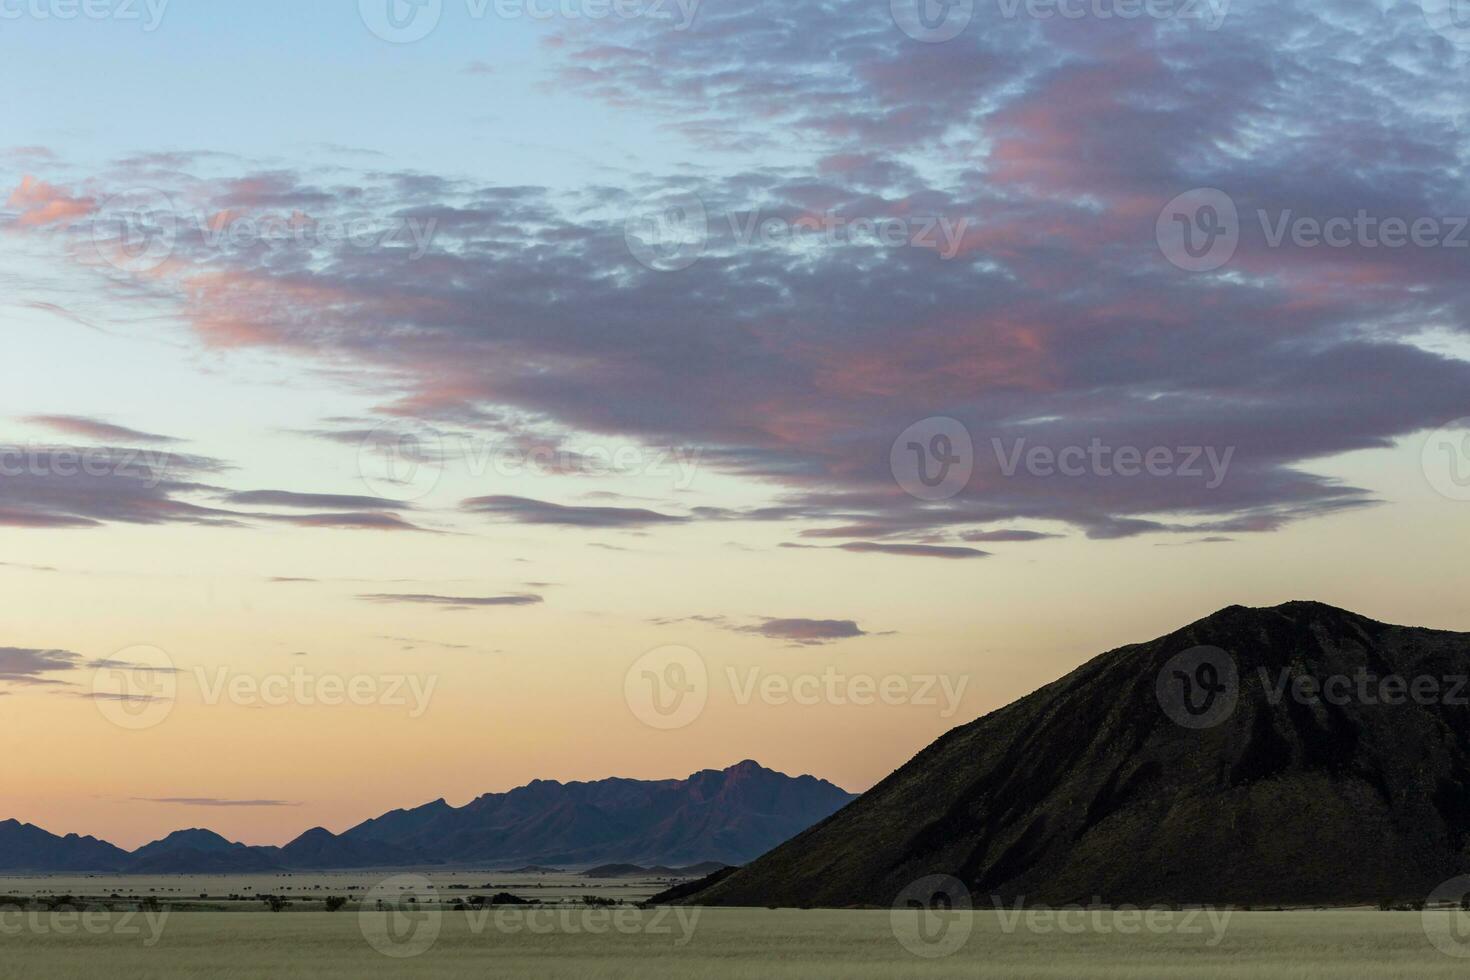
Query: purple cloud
[[527, 511], [88, 428], [452, 601], [1054, 324]]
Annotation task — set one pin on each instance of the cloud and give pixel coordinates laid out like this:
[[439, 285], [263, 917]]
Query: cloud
[[47, 486], [411, 643], [312, 501], [212, 801], [1055, 322], [1007, 535], [78, 425], [40, 204], [799, 631], [362, 521], [452, 602], [524, 510], [23, 665], [904, 550], [806, 632]]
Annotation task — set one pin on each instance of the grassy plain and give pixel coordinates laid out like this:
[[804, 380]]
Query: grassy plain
[[729, 944]]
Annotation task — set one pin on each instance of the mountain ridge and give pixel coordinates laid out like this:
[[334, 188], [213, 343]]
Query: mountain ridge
[[1090, 788], [666, 822]]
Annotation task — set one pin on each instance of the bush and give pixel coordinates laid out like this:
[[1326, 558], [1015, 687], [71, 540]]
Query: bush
[[335, 902]]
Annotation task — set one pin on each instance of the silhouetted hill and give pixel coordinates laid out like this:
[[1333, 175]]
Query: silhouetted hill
[[201, 852], [24, 847], [1089, 787], [729, 815], [320, 848], [715, 817]]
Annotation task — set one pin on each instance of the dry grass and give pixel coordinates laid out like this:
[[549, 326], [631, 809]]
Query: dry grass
[[739, 944]]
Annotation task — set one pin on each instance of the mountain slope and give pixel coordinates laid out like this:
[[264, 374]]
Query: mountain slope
[[1088, 787], [730, 816], [201, 851], [725, 816], [24, 847]]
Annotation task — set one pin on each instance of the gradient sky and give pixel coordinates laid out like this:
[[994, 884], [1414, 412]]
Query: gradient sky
[[712, 434]]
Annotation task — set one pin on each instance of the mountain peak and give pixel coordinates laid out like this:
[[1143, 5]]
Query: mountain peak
[[1102, 784]]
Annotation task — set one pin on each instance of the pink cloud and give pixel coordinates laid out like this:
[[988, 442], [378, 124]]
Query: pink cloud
[[44, 204]]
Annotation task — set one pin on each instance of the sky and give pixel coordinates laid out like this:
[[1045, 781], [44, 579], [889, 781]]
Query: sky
[[414, 399]]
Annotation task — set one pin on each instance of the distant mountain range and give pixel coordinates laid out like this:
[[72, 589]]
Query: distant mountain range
[[1092, 787], [714, 817]]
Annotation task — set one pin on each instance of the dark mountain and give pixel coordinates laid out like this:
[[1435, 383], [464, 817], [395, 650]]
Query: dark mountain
[[685, 889], [616, 871], [24, 847], [713, 816], [1090, 787], [729, 816], [533, 869], [701, 870], [201, 852], [319, 848]]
